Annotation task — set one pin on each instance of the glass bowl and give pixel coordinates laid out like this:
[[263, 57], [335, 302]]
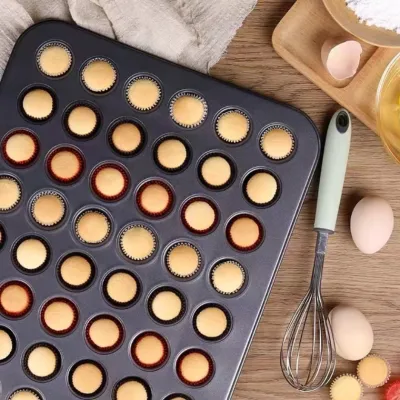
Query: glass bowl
[[388, 108]]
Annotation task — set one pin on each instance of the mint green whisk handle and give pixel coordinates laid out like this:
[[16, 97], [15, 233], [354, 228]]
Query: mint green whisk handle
[[333, 172]]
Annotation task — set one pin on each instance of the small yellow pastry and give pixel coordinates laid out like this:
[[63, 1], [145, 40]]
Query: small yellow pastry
[[346, 387], [38, 104], [59, 316], [212, 322], [154, 198], [110, 181], [166, 306], [137, 242], [25, 394], [42, 361], [31, 254], [195, 367], [48, 208], [82, 121], [7, 344], [261, 188], [126, 138], [132, 388], [183, 260], [199, 216], [54, 59], [65, 164], [104, 333], [76, 271], [233, 126], [149, 350], [20, 147], [188, 110], [121, 288], [216, 171], [87, 378], [10, 193], [143, 93], [373, 371], [171, 154], [93, 227], [16, 299], [277, 143], [99, 75], [244, 232], [228, 277]]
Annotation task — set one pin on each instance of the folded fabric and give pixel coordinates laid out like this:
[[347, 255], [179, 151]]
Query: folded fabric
[[194, 33]]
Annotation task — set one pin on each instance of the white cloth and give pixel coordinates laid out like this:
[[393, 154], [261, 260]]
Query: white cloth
[[194, 33]]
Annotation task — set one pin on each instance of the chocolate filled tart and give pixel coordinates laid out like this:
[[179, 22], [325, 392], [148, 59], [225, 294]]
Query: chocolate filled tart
[[132, 388], [166, 305], [20, 148], [65, 164], [104, 333], [149, 350], [16, 299], [87, 378], [76, 271], [31, 254], [42, 362], [121, 288], [195, 367], [59, 316], [8, 344]]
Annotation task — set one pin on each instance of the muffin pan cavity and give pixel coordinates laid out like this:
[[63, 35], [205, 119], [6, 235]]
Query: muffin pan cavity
[[144, 211]]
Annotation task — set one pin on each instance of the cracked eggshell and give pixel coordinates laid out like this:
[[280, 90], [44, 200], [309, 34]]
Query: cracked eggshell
[[341, 59], [352, 332], [371, 224]]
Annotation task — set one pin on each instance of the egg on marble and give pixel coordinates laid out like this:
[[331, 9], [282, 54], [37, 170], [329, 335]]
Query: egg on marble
[[371, 224], [352, 332]]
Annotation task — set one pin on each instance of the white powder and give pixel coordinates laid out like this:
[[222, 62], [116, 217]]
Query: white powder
[[381, 13]]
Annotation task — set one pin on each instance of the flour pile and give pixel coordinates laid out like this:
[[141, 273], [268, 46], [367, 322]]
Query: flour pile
[[381, 13]]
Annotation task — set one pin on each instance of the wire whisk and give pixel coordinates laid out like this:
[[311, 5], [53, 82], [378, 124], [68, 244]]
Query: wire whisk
[[309, 373]]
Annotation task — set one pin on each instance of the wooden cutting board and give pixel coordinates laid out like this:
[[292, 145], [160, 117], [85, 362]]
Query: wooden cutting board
[[298, 39]]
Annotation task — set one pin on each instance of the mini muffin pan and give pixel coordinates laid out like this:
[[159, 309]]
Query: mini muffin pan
[[116, 167]]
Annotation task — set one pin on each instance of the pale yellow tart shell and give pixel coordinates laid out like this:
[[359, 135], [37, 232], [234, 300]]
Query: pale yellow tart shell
[[87, 378], [121, 287], [149, 350], [183, 260], [166, 305], [188, 111], [277, 143], [261, 188], [59, 316], [199, 215], [6, 345], [99, 76], [65, 165], [31, 254], [75, 270], [14, 299], [131, 390], [137, 243], [42, 362], [38, 104], [171, 153], [54, 60], [194, 367], [144, 94], [82, 121], [20, 147], [126, 137], [244, 232], [233, 127], [110, 181], [216, 171], [104, 333], [48, 209], [10, 193], [211, 322], [227, 277], [93, 227]]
